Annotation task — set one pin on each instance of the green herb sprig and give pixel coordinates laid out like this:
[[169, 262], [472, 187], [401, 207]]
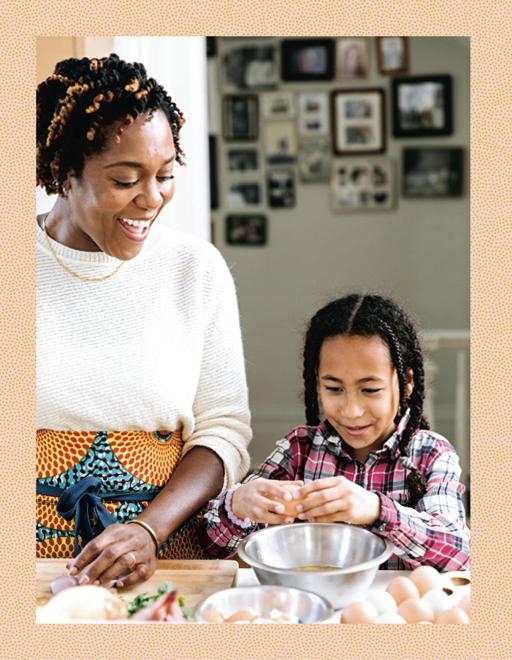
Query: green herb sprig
[[143, 600]]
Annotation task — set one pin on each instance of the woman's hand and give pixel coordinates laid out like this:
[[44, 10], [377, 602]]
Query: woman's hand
[[261, 500], [336, 499], [121, 553]]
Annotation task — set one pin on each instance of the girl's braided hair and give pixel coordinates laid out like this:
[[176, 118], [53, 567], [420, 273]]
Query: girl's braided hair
[[369, 315], [83, 104]]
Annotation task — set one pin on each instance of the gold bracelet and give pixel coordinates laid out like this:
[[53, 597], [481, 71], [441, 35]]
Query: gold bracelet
[[149, 530]]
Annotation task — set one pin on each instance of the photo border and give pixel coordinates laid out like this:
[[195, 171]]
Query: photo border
[[491, 364]]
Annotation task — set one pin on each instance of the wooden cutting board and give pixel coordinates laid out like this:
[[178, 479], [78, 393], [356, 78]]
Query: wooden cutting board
[[195, 578]]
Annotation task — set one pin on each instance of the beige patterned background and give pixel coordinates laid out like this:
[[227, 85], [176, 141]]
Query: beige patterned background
[[486, 22]]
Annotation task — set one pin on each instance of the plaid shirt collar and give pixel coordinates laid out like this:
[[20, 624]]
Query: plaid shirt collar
[[390, 446]]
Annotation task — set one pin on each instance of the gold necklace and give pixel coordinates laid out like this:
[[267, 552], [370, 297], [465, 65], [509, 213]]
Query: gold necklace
[[67, 269]]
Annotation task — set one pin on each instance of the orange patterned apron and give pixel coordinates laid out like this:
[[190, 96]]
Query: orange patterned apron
[[93, 477]]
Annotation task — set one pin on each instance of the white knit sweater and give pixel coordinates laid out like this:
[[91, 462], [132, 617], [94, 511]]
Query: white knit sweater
[[154, 347]]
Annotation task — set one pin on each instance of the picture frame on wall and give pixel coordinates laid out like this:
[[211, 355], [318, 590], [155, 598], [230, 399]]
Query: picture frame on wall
[[280, 140], [242, 160], [281, 188], [240, 117], [250, 67], [362, 184], [358, 121], [392, 55], [313, 114], [307, 59], [243, 194], [313, 159], [278, 105], [422, 106], [352, 58], [432, 172], [246, 229]]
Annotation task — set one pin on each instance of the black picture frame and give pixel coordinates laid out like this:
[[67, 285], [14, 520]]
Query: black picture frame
[[281, 188], [358, 121], [432, 172], [307, 59], [244, 229], [240, 117], [422, 106], [250, 68]]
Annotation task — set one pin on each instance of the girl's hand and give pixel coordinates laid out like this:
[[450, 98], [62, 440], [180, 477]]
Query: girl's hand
[[336, 499], [261, 500], [121, 553]]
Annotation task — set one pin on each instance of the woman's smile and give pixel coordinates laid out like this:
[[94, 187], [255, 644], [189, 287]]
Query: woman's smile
[[135, 229]]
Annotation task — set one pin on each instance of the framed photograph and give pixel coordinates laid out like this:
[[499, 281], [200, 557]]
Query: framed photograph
[[280, 142], [358, 121], [393, 55], [422, 106], [242, 160], [352, 58], [313, 160], [278, 105], [307, 59], [214, 192], [362, 185], [250, 67], [433, 172], [313, 114], [281, 189], [240, 117], [243, 194], [250, 230]]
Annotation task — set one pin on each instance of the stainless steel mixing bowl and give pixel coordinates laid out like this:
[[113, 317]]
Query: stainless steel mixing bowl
[[275, 554], [306, 606]]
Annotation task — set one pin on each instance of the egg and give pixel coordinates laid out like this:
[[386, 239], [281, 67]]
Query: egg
[[414, 610], [438, 600], [212, 615], [390, 617], [382, 601], [426, 578], [401, 588], [290, 505], [359, 612], [245, 615], [455, 615]]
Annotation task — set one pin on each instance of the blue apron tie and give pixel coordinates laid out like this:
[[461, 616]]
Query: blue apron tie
[[82, 501]]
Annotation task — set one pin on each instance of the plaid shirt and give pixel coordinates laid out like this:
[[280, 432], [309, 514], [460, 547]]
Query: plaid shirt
[[433, 533]]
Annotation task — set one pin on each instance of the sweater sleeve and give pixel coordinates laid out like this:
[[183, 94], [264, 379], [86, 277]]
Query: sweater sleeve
[[435, 532], [218, 535], [221, 410]]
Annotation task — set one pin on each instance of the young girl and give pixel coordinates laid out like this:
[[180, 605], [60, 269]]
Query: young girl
[[373, 460]]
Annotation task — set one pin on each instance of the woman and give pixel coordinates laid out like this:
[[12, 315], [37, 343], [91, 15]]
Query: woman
[[141, 395]]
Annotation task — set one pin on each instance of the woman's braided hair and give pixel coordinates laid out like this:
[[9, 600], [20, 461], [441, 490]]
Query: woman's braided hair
[[368, 315], [83, 104]]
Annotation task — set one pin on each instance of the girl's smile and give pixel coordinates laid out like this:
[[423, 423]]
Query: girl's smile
[[359, 391]]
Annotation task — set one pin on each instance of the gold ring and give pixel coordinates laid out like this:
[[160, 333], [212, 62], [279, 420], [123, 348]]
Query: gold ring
[[133, 560]]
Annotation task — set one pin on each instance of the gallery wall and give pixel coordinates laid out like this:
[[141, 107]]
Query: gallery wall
[[416, 251]]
